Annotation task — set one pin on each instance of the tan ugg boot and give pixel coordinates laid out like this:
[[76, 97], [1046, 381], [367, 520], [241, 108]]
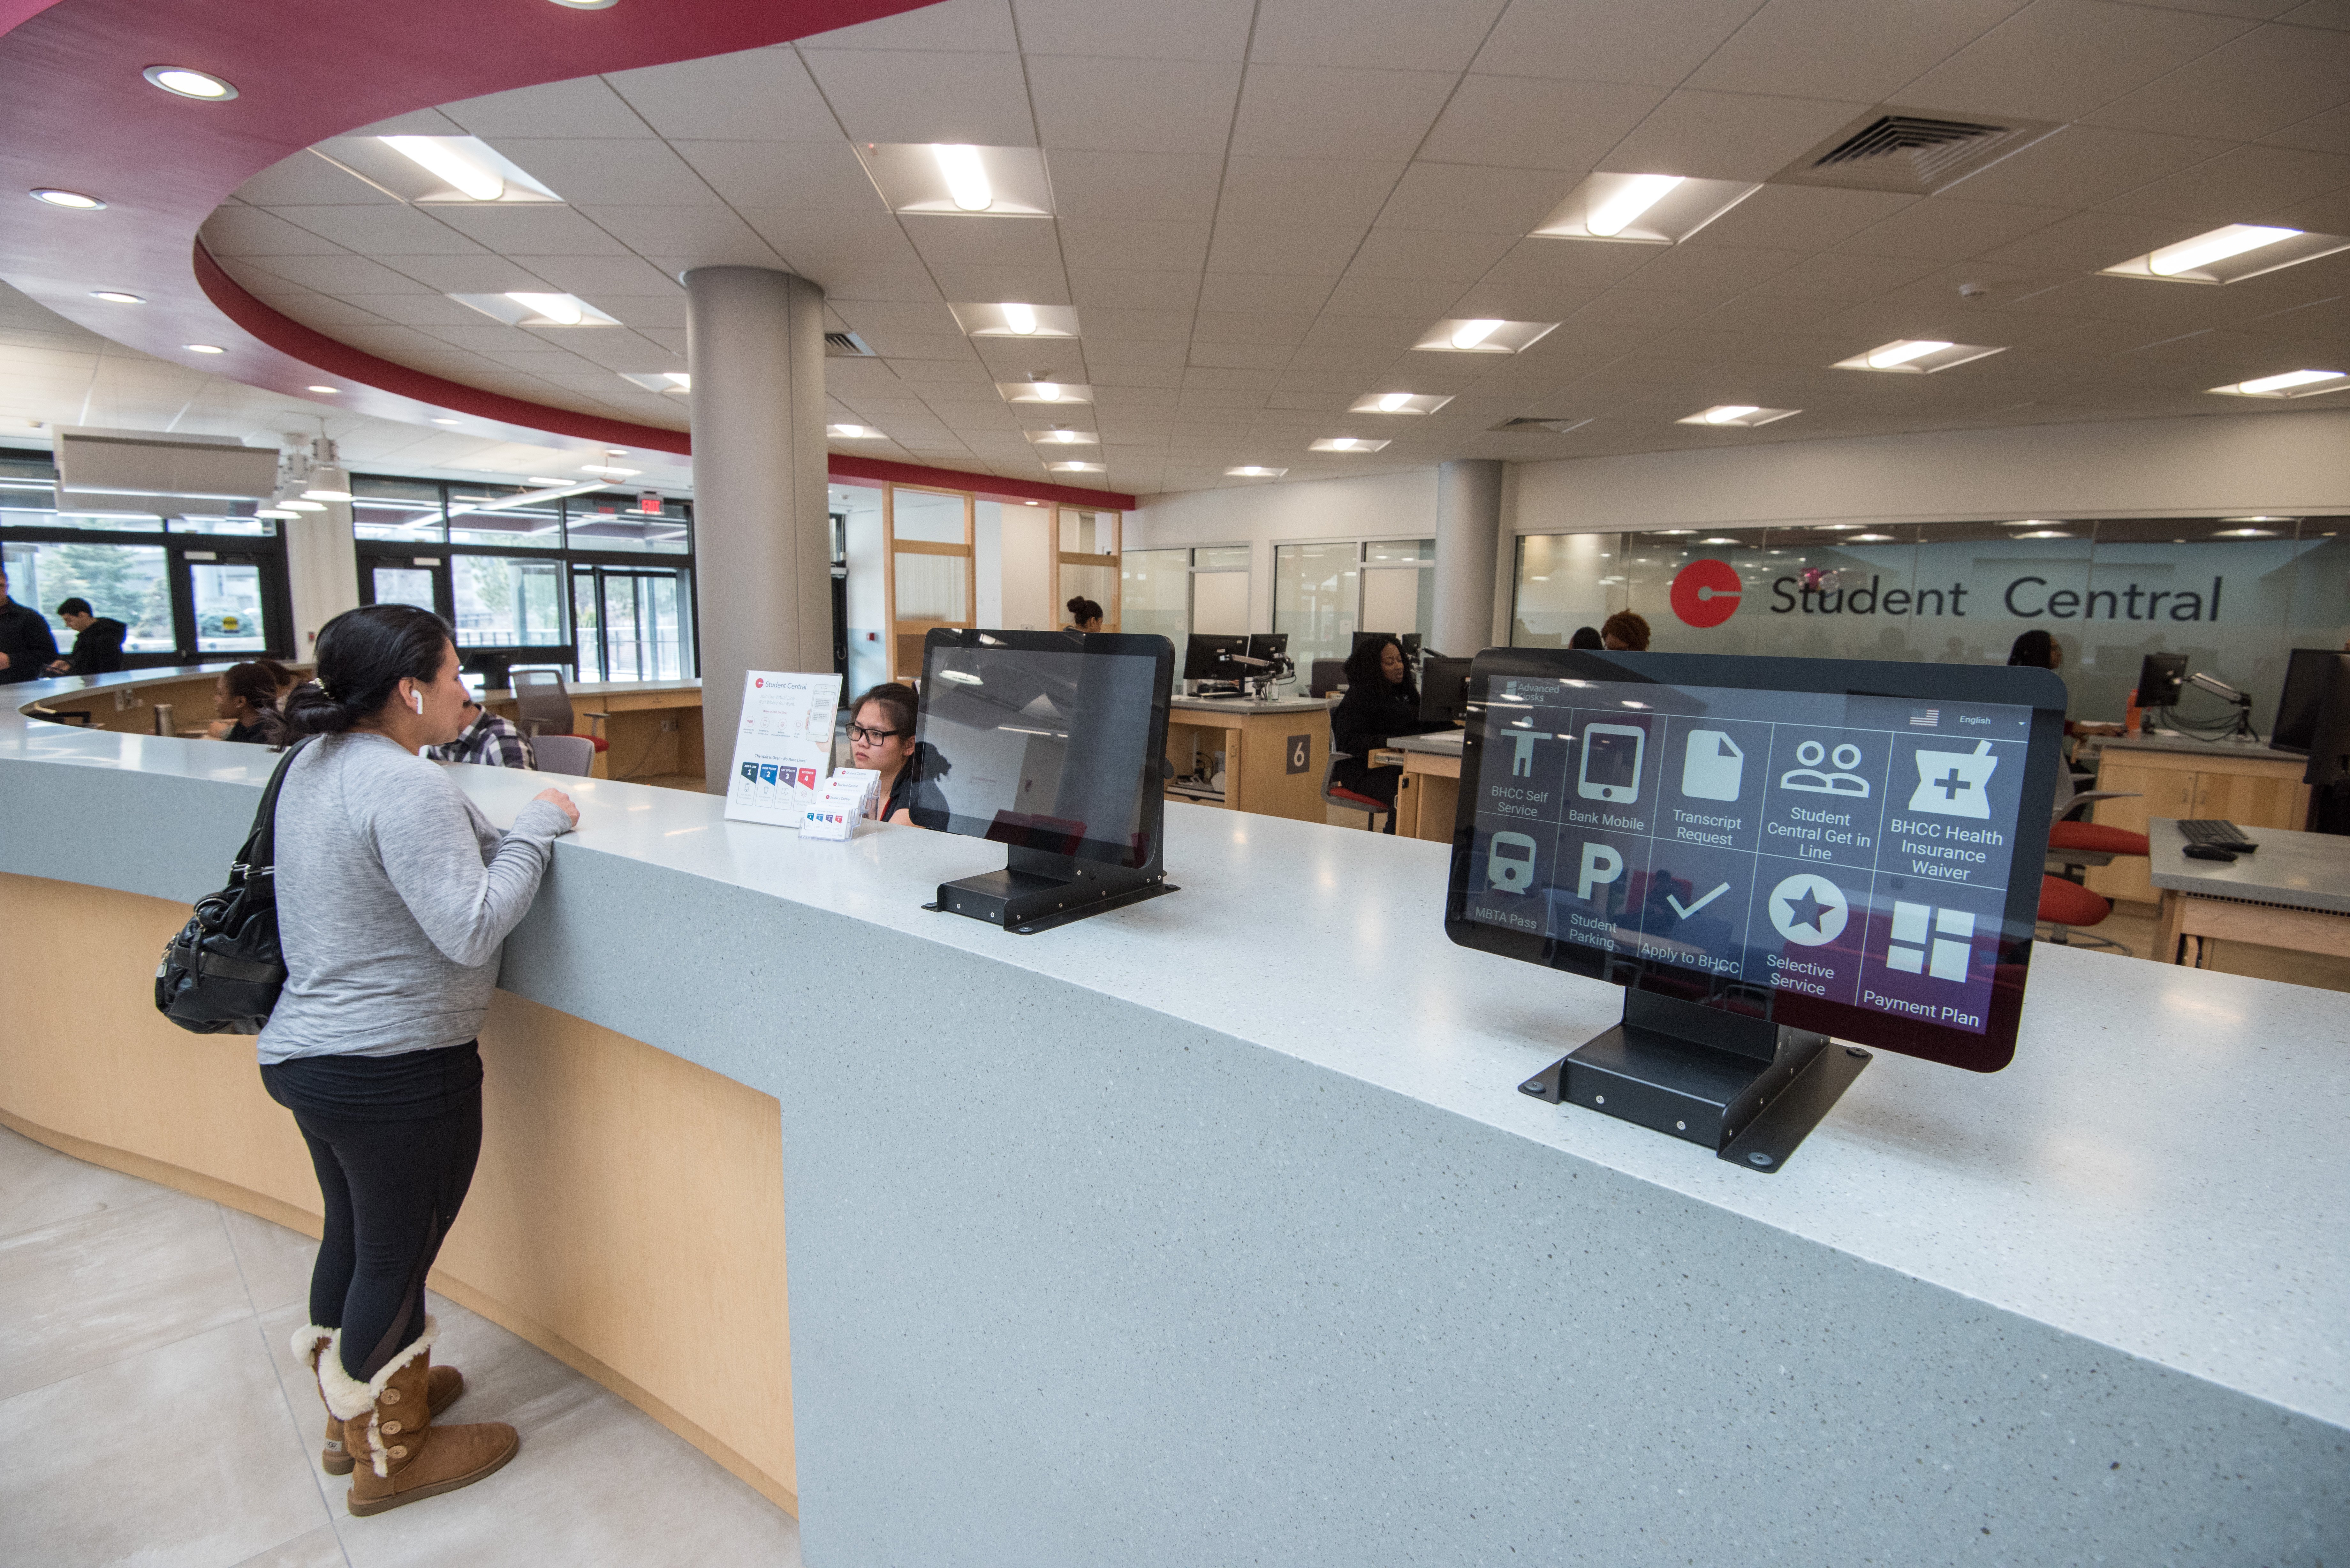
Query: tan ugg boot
[[387, 1425], [310, 1342]]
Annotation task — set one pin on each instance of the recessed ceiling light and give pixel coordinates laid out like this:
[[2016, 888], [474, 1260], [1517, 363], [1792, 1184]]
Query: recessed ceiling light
[[2230, 254], [435, 156], [1671, 532], [1483, 335], [329, 391], [74, 200], [587, 5], [298, 505], [1345, 443], [1721, 539], [966, 176], [1742, 416], [659, 380], [607, 471], [2223, 534], [1869, 538], [530, 307], [853, 432], [1254, 471], [958, 178], [2291, 384], [1060, 435], [1398, 403], [203, 347], [2035, 523], [559, 308], [439, 422], [1073, 467], [1015, 319], [543, 479], [116, 297], [2044, 533], [1044, 389], [2263, 519], [188, 82], [616, 452], [1644, 209], [1915, 356]]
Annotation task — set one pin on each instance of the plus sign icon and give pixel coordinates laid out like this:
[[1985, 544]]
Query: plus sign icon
[[1705, 593], [1955, 783]]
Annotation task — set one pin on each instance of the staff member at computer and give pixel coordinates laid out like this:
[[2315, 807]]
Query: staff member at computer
[[1381, 702], [1083, 615], [881, 737]]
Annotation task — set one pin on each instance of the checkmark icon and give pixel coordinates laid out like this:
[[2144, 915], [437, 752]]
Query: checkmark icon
[[1686, 910]]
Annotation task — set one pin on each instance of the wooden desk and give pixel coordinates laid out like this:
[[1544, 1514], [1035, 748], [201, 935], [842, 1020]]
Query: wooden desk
[[1275, 752], [2294, 893], [2171, 776], [652, 728], [1428, 793]]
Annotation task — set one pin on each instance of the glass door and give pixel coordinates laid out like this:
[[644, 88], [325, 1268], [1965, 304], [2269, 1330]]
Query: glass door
[[228, 606], [632, 624], [418, 580]]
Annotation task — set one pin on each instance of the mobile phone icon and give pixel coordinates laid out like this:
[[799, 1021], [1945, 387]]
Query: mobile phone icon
[[1610, 769]]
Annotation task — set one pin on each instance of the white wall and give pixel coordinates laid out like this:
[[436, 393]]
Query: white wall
[[1024, 589], [322, 571]]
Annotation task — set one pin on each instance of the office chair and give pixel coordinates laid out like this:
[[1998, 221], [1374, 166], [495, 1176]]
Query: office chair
[[572, 755], [2067, 907], [1338, 795], [543, 706]]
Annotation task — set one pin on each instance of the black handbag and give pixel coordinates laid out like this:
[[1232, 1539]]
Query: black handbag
[[221, 974]]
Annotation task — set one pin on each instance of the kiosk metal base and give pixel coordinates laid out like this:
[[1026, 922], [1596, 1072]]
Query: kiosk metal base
[[1034, 892], [1744, 1087]]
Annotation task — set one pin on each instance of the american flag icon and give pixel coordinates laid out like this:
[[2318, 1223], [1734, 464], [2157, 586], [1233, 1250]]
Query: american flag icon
[[1925, 719]]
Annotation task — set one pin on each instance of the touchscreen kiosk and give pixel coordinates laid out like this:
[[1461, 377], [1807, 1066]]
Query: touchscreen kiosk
[[1765, 853], [1051, 745]]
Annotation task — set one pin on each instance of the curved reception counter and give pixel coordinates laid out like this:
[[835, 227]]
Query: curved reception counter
[[1215, 1229]]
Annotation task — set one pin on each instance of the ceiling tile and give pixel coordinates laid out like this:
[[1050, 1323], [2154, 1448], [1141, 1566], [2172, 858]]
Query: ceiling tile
[[2063, 59], [603, 172], [1943, 230], [345, 275], [1609, 40], [1570, 263], [1317, 249], [978, 283], [1714, 269], [2245, 88], [821, 177], [982, 25], [624, 274], [1305, 189], [1136, 29], [1432, 300], [2083, 165], [1844, 48], [1251, 326], [1622, 307], [1519, 302], [382, 230], [583, 106], [710, 236], [1246, 356], [1176, 185], [757, 94], [2327, 132], [1798, 217], [479, 274], [1133, 289], [812, 237], [243, 231], [871, 280], [1838, 276], [1727, 136], [2091, 241], [1461, 199], [1395, 332], [1399, 37], [533, 230], [915, 96], [307, 178], [2238, 186], [1258, 291], [983, 240], [1520, 122], [1307, 111], [1429, 253], [1133, 242], [1133, 106], [1767, 313]]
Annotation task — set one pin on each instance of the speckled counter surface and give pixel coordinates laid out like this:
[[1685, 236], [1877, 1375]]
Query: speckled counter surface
[[1214, 1230], [2305, 870]]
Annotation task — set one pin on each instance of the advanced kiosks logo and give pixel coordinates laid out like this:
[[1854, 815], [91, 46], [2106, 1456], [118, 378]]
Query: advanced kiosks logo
[[1705, 593]]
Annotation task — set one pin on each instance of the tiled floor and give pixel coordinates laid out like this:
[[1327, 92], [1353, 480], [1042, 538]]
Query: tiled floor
[[152, 1414]]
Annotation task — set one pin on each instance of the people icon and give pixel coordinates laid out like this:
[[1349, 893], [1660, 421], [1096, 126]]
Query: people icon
[[1810, 780]]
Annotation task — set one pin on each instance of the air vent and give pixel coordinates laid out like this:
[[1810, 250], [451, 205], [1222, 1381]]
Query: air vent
[[1916, 154], [1556, 426], [846, 346]]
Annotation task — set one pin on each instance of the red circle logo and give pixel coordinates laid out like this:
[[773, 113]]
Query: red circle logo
[[760, 680], [1705, 593]]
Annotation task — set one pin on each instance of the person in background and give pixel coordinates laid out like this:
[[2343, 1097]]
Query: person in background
[[27, 645], [489, 740], [245, 699], [1624, 632], [394, 897], [1381, 702], [881, 737], [1083, 615], [98, 641], [1586, 637], [287, 680], [2038, 650]]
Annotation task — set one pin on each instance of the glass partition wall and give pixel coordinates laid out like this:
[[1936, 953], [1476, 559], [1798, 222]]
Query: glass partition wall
[[1325, 591], [927, 539]]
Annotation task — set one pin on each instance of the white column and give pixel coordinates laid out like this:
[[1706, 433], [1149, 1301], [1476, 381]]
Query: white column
[[762, 557], [1468, 541], [322, 571]]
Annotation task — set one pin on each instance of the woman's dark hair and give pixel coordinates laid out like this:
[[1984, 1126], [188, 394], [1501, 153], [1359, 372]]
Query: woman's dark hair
[[2034, 647], [363, 656], [1364, 674], [253, 682], [1586, 637], [898, 700], [279, 673], [1628, 628], [1083, 610]]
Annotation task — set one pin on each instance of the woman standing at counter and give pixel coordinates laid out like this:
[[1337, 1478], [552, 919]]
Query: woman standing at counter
[[394, 896], [1381, 702]]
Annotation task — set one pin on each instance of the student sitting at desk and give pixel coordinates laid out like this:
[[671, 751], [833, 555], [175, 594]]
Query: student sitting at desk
[[881, 737], [244, 699], [1381, 702], [1083, 615]]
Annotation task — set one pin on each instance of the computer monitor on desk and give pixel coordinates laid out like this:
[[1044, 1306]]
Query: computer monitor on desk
[[2311, 675], [1268, 645], [1765, 853], [1444, 689], [1209, 656], [2160, 677], [1051, 745]]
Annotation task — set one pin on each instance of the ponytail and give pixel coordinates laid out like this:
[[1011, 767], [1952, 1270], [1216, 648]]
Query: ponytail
[[363, 656]]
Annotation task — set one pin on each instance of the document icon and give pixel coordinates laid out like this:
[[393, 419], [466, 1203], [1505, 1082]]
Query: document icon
[[1711, 767], [1955, 783]]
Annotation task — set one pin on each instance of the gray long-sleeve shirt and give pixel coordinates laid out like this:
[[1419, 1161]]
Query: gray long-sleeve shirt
[[394, 896]]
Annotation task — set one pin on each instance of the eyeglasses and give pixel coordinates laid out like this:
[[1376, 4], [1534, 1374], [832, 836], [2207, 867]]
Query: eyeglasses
[[870, 737]]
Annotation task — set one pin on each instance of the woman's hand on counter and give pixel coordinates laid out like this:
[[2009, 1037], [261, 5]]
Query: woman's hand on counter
[[561, 803]]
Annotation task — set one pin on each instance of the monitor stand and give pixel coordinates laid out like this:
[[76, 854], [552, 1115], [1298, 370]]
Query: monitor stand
[[1748, 1088], [1037, 890]]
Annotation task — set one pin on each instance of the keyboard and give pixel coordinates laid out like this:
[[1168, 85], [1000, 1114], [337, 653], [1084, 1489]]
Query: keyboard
[[2212, 830]]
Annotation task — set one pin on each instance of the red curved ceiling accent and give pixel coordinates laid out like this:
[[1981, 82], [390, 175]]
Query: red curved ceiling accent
[[76, 113]]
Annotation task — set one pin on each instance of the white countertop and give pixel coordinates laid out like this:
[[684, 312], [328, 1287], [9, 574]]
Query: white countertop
[[1241, 705], [2304, 870], [2189, 744]]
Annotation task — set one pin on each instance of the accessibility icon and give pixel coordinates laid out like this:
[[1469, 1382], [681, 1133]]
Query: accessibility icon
[[1807, 910], [1955, 783]]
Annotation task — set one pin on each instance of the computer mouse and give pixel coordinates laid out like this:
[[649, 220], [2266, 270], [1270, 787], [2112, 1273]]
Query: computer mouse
[[2207, 851]]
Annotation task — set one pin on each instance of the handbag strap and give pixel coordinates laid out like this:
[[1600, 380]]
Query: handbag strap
[[260, 857]]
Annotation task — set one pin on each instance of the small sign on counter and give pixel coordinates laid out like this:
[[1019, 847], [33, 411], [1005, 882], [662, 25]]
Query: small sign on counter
[[783, 748]]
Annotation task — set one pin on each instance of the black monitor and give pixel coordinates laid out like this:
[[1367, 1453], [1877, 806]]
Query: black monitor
[[1444, 689], [2311, 673], [1329, 677], [1207, 657], [1763, 852], [1268, 645], [1051, 745], [2159, 678]]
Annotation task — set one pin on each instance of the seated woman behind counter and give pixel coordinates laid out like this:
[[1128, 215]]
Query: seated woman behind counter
[[881, 737], [245, 706], [1381, 702]]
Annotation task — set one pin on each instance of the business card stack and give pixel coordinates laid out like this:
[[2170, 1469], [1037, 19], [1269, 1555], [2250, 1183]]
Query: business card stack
[[844, 797]]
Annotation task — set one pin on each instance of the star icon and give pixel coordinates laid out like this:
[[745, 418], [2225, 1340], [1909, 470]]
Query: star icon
[[1806, 910]]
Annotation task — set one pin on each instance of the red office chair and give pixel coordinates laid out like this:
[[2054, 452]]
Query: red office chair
[[1338, 795], [2067, 907]]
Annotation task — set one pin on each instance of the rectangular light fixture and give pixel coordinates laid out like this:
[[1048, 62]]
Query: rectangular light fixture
[[1346, 443], [436, 170], [528, 307], [1015, 320], [1917, 355], [1642, 209], [609, 471], [1058, 436], [1075, 467], [2290, 384], [1483, 335], [1254, 471], [1398, 403], [957, 178], [1040, 390], [854, 433], [2230, 254], [1742, 416], [660, 380]]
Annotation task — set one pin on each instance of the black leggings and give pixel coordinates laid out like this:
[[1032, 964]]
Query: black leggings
[[392, 1184]]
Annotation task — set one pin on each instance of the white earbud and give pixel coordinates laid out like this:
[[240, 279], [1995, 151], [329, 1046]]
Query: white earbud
[[417, 700]]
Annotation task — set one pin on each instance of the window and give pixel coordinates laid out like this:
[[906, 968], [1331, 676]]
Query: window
[[502, 602], [1085, 562], [1323, 593], [127, 583], [928, 535], [1220, 589], [403, 511], [1155, 594]]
